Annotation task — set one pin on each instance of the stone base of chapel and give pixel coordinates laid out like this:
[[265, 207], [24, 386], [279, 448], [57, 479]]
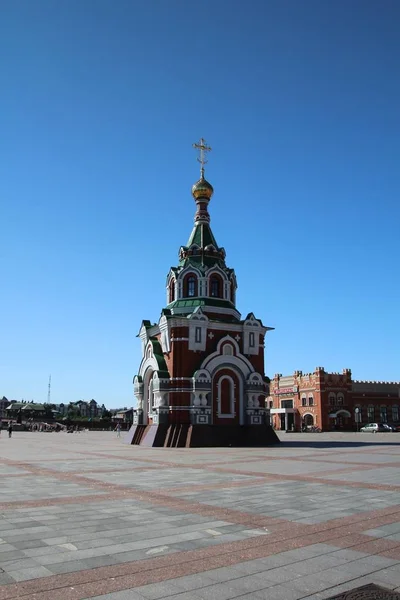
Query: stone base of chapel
[[201, 436]]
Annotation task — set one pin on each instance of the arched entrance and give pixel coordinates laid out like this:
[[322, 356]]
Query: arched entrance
[[308, 420], [227, 397], [341, 419]]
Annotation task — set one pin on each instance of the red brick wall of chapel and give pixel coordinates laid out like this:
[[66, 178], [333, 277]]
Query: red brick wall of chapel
[[183, 362]]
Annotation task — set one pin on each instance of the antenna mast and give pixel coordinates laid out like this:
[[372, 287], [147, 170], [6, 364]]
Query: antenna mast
[[49, 390]]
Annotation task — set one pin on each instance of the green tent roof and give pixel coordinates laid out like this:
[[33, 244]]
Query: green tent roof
[[202, 236]]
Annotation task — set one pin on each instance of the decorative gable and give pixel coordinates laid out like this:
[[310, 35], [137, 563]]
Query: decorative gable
[[198, 325], [252, 329], [165, 332]]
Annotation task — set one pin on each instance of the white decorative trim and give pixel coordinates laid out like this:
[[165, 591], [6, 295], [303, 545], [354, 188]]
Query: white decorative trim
[[182, 390], [217, 360], [148, 362], [240, 408], [174, 339], [177, 321], [198, 323], [171, 275], [165, 334], [251, 337], [201, 376], [255, 379], [189, 269]]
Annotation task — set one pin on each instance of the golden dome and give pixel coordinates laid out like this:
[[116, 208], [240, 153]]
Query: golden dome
[[202, 189]]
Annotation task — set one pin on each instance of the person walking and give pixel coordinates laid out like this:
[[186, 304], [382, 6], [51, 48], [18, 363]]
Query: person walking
[[10, 429], [118, 429]]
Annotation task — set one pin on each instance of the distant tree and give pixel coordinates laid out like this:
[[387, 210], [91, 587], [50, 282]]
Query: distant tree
[[72, 411], [49, 410]]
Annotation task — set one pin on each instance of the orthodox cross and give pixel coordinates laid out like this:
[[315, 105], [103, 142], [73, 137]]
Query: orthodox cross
[[202, 147]]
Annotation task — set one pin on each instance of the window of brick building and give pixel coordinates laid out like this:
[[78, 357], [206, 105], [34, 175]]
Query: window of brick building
[[286, 403], [383, 414], [370, 414], [310, 400], [395, 413], [304, 400], [332, 399], [340, 399]]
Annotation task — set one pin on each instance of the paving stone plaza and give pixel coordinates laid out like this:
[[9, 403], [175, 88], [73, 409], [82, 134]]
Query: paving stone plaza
[[86, 516]]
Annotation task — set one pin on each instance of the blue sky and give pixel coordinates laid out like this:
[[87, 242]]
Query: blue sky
[[100, 103]]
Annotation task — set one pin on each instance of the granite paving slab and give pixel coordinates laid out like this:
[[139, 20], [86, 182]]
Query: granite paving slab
[[166, 478], [39, 487], [87, 516]]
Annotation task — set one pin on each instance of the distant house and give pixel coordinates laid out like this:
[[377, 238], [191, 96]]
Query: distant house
[[82, 408], [123, 416], [27, 410]]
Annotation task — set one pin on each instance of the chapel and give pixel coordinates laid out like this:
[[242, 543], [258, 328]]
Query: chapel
[[201, 380]]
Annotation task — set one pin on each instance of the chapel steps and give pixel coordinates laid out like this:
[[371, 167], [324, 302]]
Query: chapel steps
[[176, 436]]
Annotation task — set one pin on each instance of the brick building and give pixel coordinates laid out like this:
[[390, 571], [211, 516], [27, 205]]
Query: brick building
[[329, 401], [201, 380]]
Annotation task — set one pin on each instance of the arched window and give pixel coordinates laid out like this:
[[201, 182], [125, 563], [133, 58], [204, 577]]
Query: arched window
[[303, 400], [395, 413], [383, 414], [310, 400], [340, 399], [172, 290], [371, 413], [190, 286], [332, 399], [215, 286]]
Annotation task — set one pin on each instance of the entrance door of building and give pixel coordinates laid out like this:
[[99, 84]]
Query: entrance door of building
[[286, 421]]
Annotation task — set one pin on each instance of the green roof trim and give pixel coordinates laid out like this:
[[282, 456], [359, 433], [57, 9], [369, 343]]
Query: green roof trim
[[159, 356], [189, 302]]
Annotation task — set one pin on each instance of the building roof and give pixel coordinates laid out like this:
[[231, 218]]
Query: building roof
[[26, 406], [200, 302]]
